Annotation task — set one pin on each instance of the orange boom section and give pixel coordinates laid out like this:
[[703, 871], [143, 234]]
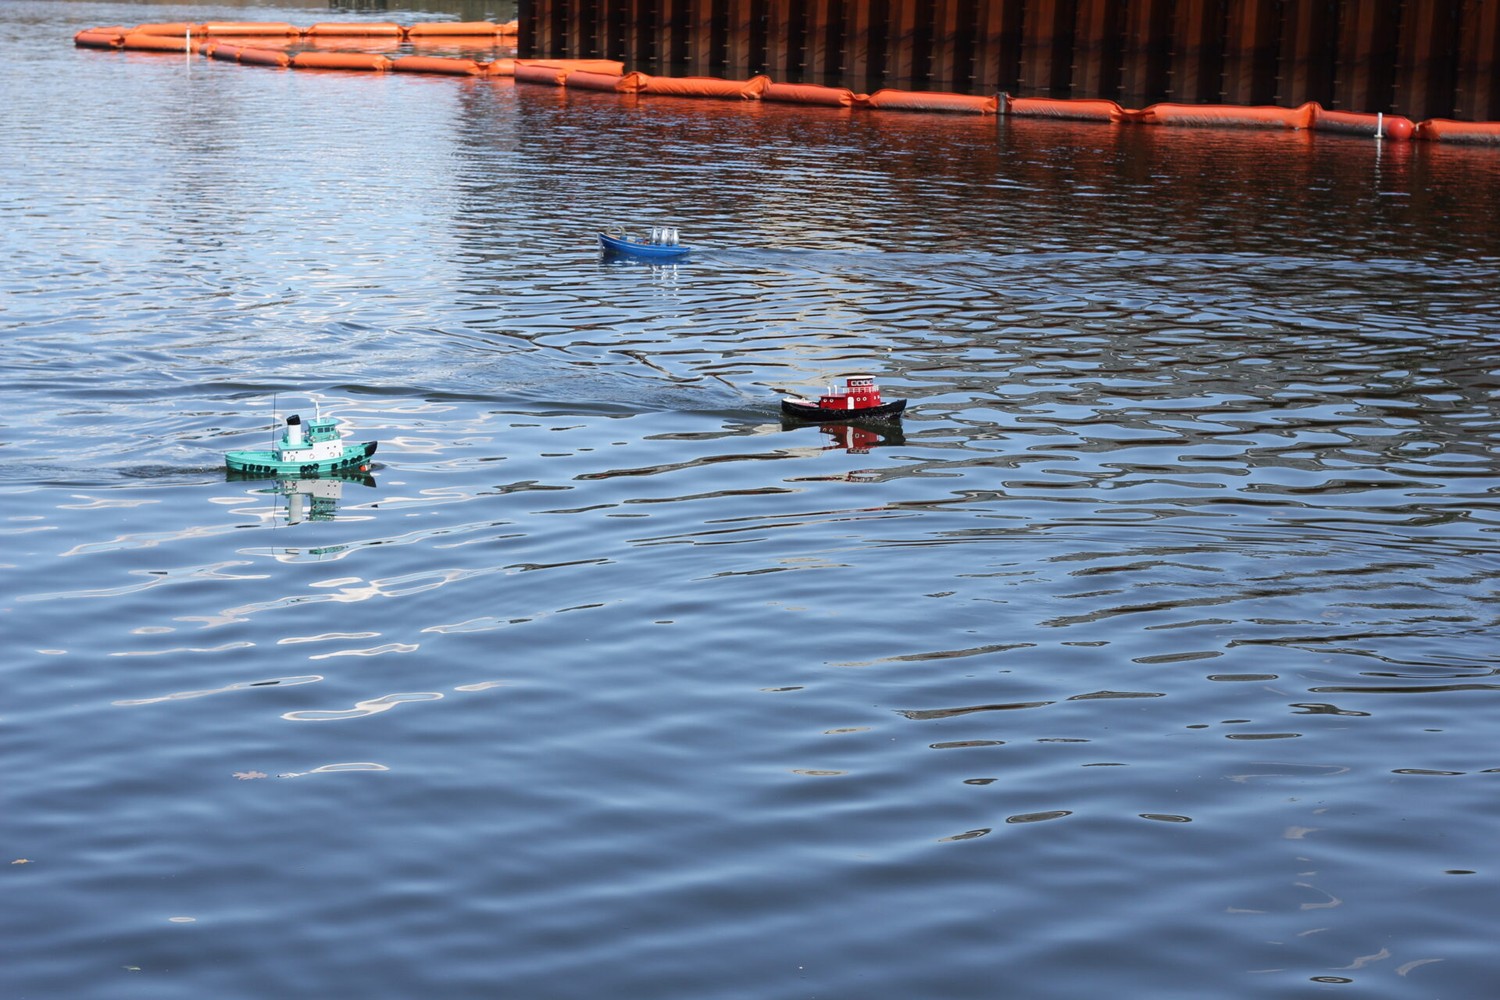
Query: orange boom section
[[366, 29], [174, 28], [437, 64], [1448, 130], [250, 56], [619, 83], [1225, 114], [913, 100], [559, 72], [808, 93], [236, 28], [457, 28], [100, 38], [366, 61], [554, 76], [153, 43], [223, 51], [1363, 123], [1081, 110], [706, 86]]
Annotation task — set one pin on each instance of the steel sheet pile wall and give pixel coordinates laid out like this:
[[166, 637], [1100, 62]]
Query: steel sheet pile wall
[[1418, 58]]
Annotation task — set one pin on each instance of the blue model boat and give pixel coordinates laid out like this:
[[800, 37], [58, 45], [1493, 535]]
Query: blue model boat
[[661, 244], [317, 451]]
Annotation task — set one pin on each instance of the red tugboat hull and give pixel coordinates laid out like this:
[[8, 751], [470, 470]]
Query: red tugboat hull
[[805, 409], [859, 400]]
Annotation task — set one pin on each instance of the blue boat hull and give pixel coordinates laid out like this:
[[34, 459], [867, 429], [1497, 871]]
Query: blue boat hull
[[660, 251]]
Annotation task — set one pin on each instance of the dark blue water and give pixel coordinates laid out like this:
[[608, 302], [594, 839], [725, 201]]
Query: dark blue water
[[1153, 656]]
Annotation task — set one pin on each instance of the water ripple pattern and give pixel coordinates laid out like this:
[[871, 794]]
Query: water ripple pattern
[[1152, 655]]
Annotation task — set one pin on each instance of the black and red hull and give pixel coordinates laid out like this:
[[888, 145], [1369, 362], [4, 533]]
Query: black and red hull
[[811, 411]]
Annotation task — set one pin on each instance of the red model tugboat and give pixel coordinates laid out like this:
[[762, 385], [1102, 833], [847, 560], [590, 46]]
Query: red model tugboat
[[860, 400]]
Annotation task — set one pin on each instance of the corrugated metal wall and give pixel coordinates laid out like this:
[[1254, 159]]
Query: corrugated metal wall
[[1419, 58]]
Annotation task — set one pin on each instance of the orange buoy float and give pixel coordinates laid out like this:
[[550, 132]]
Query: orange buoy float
[[1363, 123], [216, 48], [176, 29], [706, 86], [457, 41], [808, 93], [153, 43], [365, 61], [613, 66], [100, 38], [1080, 110], [363, 29], [1226, 114], [1448, 130], [252, 56], [453, 28], [500, 67], [223, 28], [546, 73], [915, 100], [583, 79], [437, 64]]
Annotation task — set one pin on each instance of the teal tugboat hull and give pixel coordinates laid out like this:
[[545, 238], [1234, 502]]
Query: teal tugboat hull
[[267, 463], [304, 451]]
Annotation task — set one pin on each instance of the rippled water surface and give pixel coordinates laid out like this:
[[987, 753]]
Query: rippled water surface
[[1154, 655]]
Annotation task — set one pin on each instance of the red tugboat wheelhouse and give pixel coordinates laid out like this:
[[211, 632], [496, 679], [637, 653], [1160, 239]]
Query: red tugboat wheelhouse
[[860, 400]]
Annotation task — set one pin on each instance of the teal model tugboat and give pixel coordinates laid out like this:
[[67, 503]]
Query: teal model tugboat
[[316, 451]]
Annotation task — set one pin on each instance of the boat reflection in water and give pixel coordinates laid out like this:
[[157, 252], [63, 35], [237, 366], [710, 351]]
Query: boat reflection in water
[[314, 498], [856, 439]]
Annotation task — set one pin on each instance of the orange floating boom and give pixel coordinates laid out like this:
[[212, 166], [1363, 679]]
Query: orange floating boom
[[154, 43], [237, 28], [591, 65], [366, 29], [1448, 130], [176, 29], [437, 64], [553, 76], [221, 50], [455, 28], [608, 74], [914, 100], [807, 93], [100, 38], [585, 80], [264, 57], [706, 86], [1362, 123], [1079, 110], [365, 61], [1226, 114]]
